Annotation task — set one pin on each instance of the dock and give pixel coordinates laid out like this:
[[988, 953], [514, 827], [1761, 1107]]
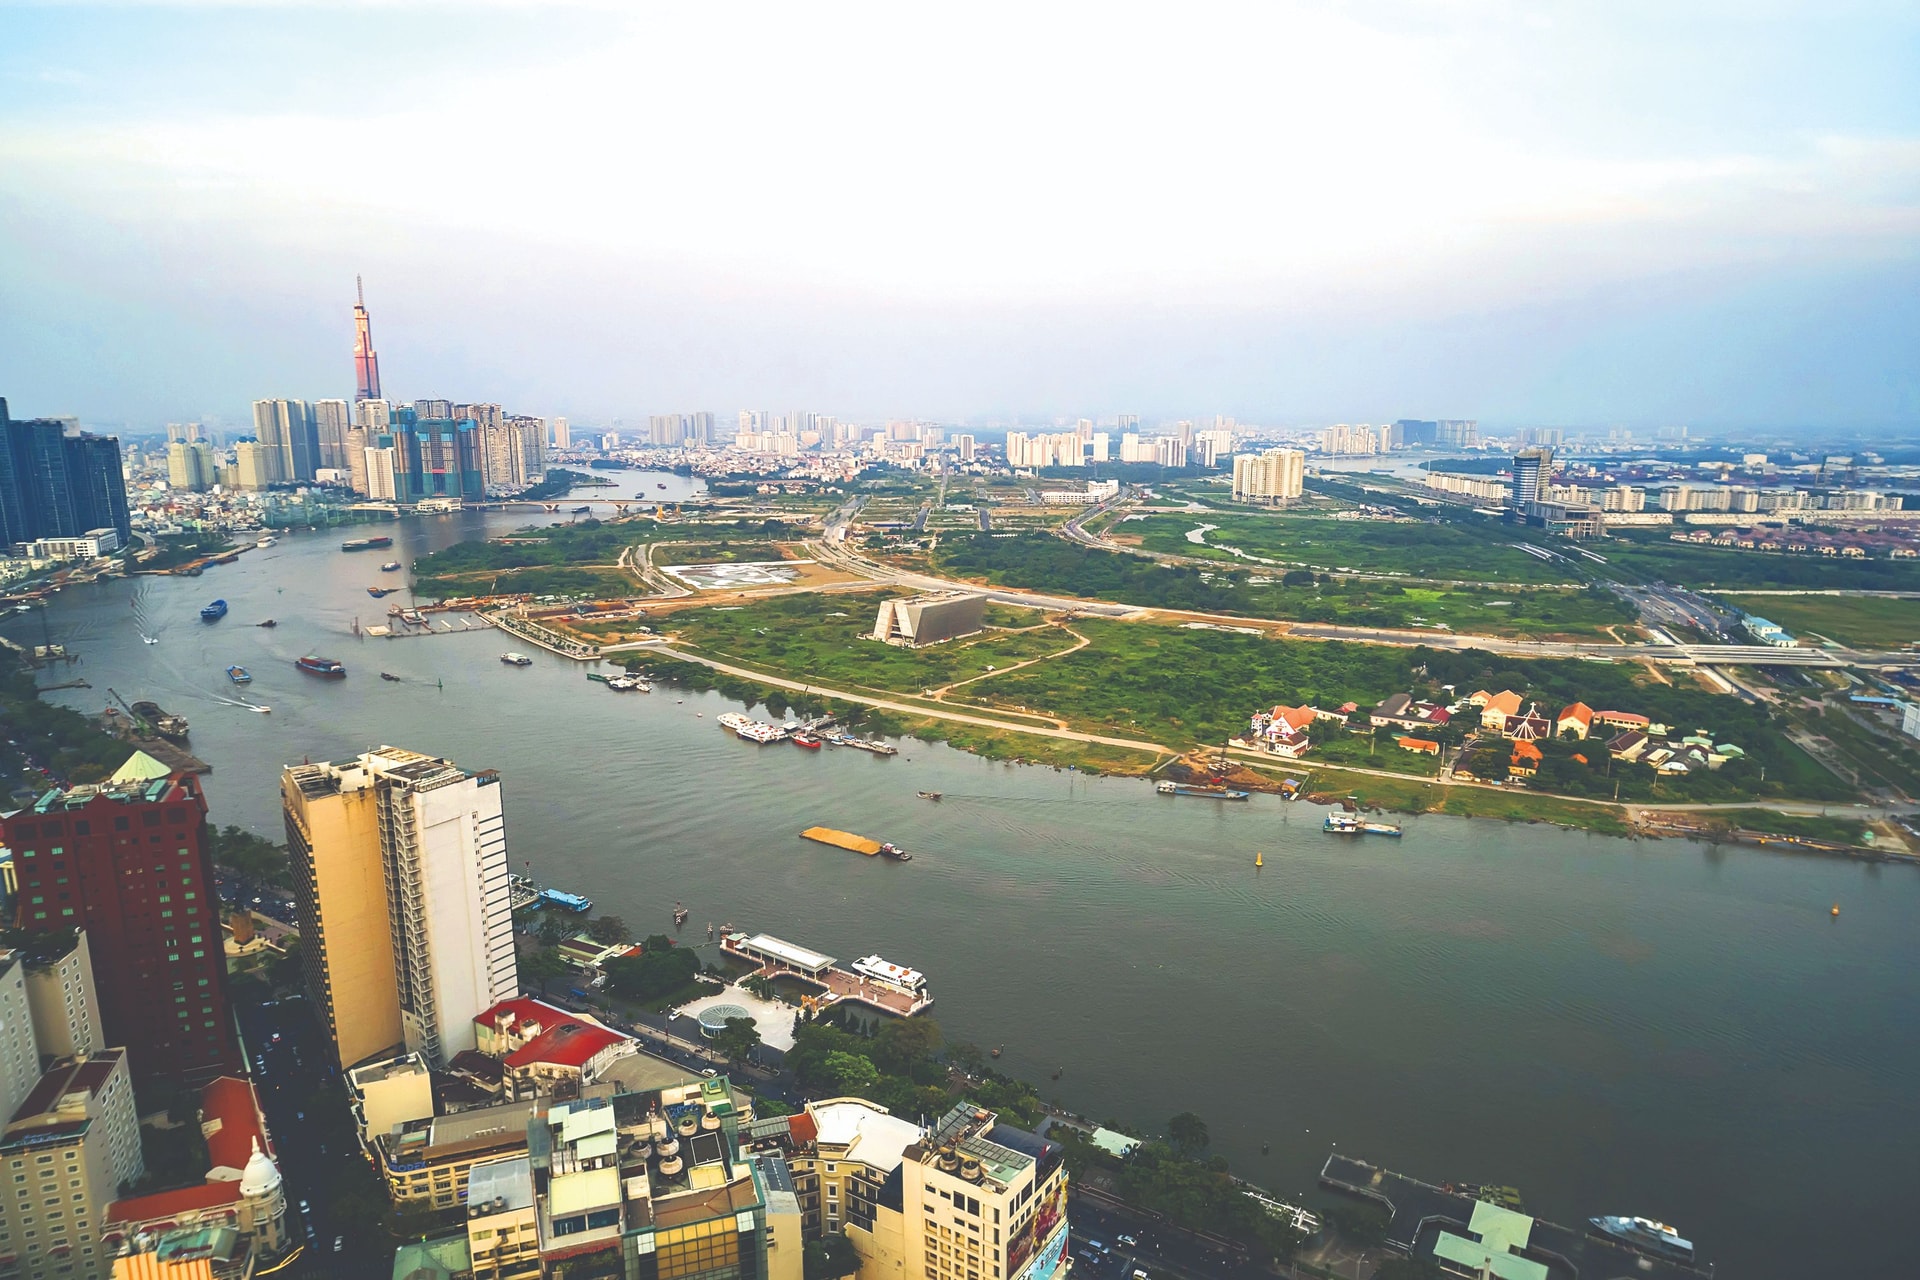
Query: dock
[[1428, 1217], [775, 958]]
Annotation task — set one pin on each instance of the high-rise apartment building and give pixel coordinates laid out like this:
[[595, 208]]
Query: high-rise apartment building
[[128, 861], [331, 421], [65, 1152], [562, 434], [366, 362], [1532, 473], [666, 430], [19, 1052], [700, 429], [255, 465], [436, 847], [963, 447], [288, 429], [191, 468], [1275, 476], [57, 481], [62, 996]]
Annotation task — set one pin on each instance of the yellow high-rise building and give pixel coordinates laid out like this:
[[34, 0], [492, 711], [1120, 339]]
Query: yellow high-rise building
[[346, 945]]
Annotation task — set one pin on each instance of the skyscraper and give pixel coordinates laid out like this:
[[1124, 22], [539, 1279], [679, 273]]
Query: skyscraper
[[1532, 472], [288, 429], [128, 861], [366, 362], [1270, 477], [562, 434], [58, 485], [401, 855], [331, 420]]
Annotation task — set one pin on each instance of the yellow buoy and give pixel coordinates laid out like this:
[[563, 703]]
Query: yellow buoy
[[1836, 908], [1260, 860]]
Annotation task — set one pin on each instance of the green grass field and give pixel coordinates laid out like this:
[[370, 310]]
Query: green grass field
[[1655, 556], [1865, 622], [1433, 552]]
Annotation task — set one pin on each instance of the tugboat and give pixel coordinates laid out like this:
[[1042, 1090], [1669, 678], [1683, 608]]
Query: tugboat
[[807, 740], [516, 659], [268, 623], [680, 914], [214, 612], [377, 592], [388, 675], [888, 849], [324, 667], [239, 675], [929, 795], [1646, 1234]]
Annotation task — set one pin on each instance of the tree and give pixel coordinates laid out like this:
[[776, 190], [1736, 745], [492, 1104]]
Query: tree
[[1189, 1134], [652, 974], [1361, 1224], [543, 966], [550, 931], [758, 984], [850, 1073], [829, 1258], [903, 1043], [737, 1040], [610, 930], [966, 1055], [1395, 1267]]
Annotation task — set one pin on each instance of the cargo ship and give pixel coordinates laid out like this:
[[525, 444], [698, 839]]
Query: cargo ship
[[1204, 793], [214, 612], [365, 544], [326, 667], [856, 844], [1645, 1233]]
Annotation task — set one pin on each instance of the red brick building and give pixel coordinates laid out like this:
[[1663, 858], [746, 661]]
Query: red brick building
[[130, 862]]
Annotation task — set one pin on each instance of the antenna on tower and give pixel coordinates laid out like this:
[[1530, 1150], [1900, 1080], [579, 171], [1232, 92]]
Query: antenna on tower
[[360, 290]]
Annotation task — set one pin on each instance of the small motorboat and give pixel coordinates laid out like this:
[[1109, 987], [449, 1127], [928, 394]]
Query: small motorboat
[[806, 740], [268, 623], [929, 795], [149, 639], [388, 675], [214, 612], [377, 592], [391, 566], [239, 675]]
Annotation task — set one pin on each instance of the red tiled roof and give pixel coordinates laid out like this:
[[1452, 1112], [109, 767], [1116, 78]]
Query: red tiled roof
[[166, 1204], [568, 1044], [524, 1009], [1579, 712], [1525, 751], [230, 1101], [804, 1128]]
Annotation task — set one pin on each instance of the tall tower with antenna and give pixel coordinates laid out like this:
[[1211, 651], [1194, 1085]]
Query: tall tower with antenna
[[366, 362]]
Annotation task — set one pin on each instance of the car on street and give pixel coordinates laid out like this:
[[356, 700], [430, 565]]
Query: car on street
[[339, 1243], [1129, 1241]]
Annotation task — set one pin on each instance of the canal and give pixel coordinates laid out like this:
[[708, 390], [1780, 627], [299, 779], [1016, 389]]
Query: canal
[[1656, 1028]]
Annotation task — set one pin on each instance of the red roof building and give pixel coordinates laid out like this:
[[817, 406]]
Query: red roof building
[[1577, 718]]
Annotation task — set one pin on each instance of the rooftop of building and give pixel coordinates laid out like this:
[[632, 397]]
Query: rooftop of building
[[572, 1043], [63, 1084], [161, 1205], [400, 1068], [1004, 1152], [867, 1132], [504, 1124], [39, 950], [442, 1259], [419, 771], [231, 1123], [126, 791], [500, 1186]]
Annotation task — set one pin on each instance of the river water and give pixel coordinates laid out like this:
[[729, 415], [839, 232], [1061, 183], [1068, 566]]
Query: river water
[[1655, 1027]]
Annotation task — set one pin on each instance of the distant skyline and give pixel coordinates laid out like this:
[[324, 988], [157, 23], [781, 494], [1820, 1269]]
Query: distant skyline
[[1636, 214]]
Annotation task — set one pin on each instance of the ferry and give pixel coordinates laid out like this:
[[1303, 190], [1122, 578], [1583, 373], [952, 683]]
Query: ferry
[[629, 684], [1341, 823], [1645, 1233], [326, 667], [733, 722], [1205, 793], [893, 975], [570, 901], [761, 732], [807, 740], [378, 592], [215, 611], [239, 675], [365, 544], [516, 659], [391, 566]]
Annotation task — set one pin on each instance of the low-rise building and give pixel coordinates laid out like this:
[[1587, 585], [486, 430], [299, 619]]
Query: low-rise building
[[426, 1163], [547, 1050], [1576, 719], [503, 1233], [1496, 707], [386, 1095], [1525, 761]]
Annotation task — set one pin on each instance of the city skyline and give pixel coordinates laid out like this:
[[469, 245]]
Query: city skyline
[[1291, 213]]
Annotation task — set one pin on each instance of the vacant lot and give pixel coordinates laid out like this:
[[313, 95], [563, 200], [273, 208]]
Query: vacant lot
[[1435, 552], [1865, 622]]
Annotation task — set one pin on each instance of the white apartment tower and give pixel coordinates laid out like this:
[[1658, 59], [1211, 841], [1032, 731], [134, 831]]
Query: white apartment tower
[[444, 846], [1270, 477]]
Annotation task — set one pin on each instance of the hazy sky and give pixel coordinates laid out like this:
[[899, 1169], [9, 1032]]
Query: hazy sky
[[1620, 212]]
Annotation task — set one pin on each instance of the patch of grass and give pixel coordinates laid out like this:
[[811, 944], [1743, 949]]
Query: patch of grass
[[1812, 826], [1413, 796], [1428, 550], [717, 552], [1654, 556], [1865, 622]]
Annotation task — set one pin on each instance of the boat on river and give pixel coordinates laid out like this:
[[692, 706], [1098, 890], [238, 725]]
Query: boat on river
[[214, 612], [929, 795], [239, 675], [378, 592], [806, 740], [270, 622], [391, 566], [1200, 792], [1341, 823], [365, 544], [513, 659], [388, 675], [162, 722], [327, 668], [1645, 1234]]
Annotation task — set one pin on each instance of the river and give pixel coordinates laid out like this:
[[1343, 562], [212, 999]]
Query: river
[[1659, 1027]]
